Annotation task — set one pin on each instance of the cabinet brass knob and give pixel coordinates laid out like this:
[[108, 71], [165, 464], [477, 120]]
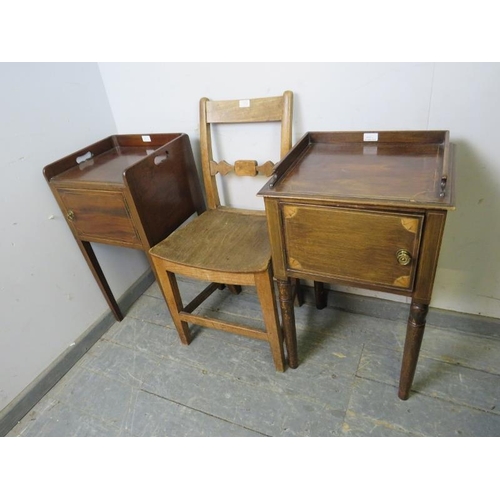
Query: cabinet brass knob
[[70, 215], [403, 256]]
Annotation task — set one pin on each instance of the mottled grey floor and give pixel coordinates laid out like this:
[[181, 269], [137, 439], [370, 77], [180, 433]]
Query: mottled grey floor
[[139, 380]]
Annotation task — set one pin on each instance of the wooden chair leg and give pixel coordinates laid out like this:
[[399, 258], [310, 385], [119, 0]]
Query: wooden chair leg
[[234, 289], [298, 293], [320, 295], [267, 298], [170, 290]]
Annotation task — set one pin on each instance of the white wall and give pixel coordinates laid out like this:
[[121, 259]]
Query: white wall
[[48, 296], [463, 98]]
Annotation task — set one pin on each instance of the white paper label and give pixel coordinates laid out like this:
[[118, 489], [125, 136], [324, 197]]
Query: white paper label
[[245, 103], [146, 138], [370, 136]]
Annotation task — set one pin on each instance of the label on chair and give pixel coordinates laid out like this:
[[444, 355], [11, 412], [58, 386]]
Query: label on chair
[[370, 136], [244, 103]]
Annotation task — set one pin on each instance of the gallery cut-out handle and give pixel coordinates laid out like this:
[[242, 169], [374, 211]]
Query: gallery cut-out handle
[[161, 158], [87, 156]]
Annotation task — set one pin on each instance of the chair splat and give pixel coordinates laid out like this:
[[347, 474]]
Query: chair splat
[[242, 167]]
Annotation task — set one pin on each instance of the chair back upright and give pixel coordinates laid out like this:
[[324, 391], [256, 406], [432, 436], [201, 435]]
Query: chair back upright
[[265, 109]]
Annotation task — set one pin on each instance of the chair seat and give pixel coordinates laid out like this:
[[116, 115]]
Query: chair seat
[[220, 240]]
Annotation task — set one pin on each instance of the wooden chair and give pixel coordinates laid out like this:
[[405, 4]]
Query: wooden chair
[[226, 245]]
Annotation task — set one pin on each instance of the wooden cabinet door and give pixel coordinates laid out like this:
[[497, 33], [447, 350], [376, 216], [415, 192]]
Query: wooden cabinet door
[[100, 216], [353, 246]]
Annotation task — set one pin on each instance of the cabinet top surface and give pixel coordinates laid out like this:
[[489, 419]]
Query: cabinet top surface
[[400, 169], [105, 161], [108, 167]]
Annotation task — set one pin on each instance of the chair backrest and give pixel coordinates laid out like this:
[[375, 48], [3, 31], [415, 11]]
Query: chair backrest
[[265, 109]]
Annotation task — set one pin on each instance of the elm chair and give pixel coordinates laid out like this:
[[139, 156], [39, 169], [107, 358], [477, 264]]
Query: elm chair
[[224, 245]]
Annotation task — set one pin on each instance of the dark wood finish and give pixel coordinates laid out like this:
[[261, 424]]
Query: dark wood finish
[[402, 169], [100, 216], [413, 341], [95, 268], [431, 244], [320, 295], [285, 292], [132, 191], [345, 208], [226, 245], [298, 293], [335, 243], [165, 190]]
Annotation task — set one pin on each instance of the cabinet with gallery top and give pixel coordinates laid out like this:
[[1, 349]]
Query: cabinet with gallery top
[[364, 209], [126, 190]]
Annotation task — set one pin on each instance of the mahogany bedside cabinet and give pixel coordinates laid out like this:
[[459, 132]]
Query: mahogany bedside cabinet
[[365, 209], [126, 190]]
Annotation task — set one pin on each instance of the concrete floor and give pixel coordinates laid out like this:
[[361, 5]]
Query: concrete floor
[[138, 380]]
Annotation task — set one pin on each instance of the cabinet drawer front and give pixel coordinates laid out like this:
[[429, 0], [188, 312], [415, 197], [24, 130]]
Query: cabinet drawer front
[[357, 246], [99, 215]]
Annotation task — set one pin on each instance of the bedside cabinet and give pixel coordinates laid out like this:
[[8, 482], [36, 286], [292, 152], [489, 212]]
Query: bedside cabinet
[[364, 209], [126, 190]]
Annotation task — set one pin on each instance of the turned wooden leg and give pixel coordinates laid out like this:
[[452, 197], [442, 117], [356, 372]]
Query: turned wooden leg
[[234, 289], [414, 336], [93, 263], [320, 295], [288, 317]]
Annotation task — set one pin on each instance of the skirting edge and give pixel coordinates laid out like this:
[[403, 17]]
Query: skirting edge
[[34, 392]]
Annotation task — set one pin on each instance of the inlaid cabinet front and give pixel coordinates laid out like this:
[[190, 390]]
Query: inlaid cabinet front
[[364, 209], [363, 246]]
